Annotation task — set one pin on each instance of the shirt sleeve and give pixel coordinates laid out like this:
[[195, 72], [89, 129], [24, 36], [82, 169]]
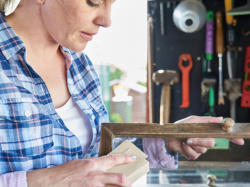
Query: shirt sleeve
[[158, 156], [14, 179]]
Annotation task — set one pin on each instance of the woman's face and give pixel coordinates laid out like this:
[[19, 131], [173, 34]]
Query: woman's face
[[72, 23]]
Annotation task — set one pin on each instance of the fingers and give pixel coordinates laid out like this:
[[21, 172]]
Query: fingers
[[194, 147], [113, 160], [116, 179], [200, 149], [203, 142], [198, 119], [238, 141], [190, 153]]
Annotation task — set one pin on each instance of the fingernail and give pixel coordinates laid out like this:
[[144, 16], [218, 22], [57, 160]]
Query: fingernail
[[184, 143], [232, 141], [133, 157], [190, 142]]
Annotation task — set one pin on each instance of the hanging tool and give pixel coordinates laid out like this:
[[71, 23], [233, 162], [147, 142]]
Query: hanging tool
[[231, 23], [185, 78], [232, 85], [219, 51], [245, 98], [190, 16], [243, 10], [231, 54], [209, 40], [204, 97], [162, 18], [211, 111], [232, 90], [209, 78], [204, 94], [228, 6], [168, 78]]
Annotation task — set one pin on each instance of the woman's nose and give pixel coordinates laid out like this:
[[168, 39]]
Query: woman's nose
[[103, 19]]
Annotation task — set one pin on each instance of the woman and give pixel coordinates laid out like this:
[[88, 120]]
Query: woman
[[51, 106]]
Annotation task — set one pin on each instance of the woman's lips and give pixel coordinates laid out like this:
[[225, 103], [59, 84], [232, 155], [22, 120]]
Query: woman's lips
[[86, 36]]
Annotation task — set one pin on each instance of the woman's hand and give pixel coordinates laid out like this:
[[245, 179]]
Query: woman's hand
[[192, 148], [82, 173]]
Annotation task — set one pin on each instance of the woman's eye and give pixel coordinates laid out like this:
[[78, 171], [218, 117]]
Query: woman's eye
[[95, 3]]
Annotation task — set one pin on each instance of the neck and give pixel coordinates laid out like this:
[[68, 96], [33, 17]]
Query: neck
[[28, 24]]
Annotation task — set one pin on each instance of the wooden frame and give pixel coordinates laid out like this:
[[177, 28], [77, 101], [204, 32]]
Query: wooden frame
[[178, 130]]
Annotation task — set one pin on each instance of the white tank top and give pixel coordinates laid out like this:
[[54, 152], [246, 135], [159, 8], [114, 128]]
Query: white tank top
[[77, 122]]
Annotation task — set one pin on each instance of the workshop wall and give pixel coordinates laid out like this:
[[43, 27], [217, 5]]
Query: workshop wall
[[169, 47]]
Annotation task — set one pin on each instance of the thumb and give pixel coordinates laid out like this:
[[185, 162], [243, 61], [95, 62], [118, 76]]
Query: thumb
[[198, 119]]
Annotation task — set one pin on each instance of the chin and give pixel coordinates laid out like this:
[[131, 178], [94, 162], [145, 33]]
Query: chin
[[77, 47]]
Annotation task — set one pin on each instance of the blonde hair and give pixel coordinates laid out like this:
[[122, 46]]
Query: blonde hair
[[6, 5]]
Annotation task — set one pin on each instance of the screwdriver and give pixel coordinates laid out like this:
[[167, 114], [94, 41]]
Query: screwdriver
[[231, 55], [211, 111], [210, 39], [220, 48]]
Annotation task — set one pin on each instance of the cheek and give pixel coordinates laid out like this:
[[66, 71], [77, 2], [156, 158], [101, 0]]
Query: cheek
[[77, 20], [64, 19], [52, 17]]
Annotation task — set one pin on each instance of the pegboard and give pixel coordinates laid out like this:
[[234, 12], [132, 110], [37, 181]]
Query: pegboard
[[169, 47]]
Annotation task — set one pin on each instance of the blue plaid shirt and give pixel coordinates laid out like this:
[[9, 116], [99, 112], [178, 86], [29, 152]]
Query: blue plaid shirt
[[32, 135]]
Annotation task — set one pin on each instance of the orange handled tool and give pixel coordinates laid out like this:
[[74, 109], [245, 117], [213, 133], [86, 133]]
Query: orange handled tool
[[220, 49], [185, 78]]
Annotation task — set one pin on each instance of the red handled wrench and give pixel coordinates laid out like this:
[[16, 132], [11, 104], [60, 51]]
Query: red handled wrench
[[185, 78]]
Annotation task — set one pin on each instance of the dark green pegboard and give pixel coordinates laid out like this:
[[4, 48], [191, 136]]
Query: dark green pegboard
[[169, 47]]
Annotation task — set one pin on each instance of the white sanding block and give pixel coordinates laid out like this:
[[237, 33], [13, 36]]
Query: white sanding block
[[133, 170]]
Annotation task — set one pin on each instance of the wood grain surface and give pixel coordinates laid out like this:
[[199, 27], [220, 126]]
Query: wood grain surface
[[181, 130], [106, 141], [171, 130]]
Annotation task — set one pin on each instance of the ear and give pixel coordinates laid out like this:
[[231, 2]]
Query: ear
[[41, 2]]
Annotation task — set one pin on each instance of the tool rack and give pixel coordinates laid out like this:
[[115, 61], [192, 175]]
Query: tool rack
[[164, 51]]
